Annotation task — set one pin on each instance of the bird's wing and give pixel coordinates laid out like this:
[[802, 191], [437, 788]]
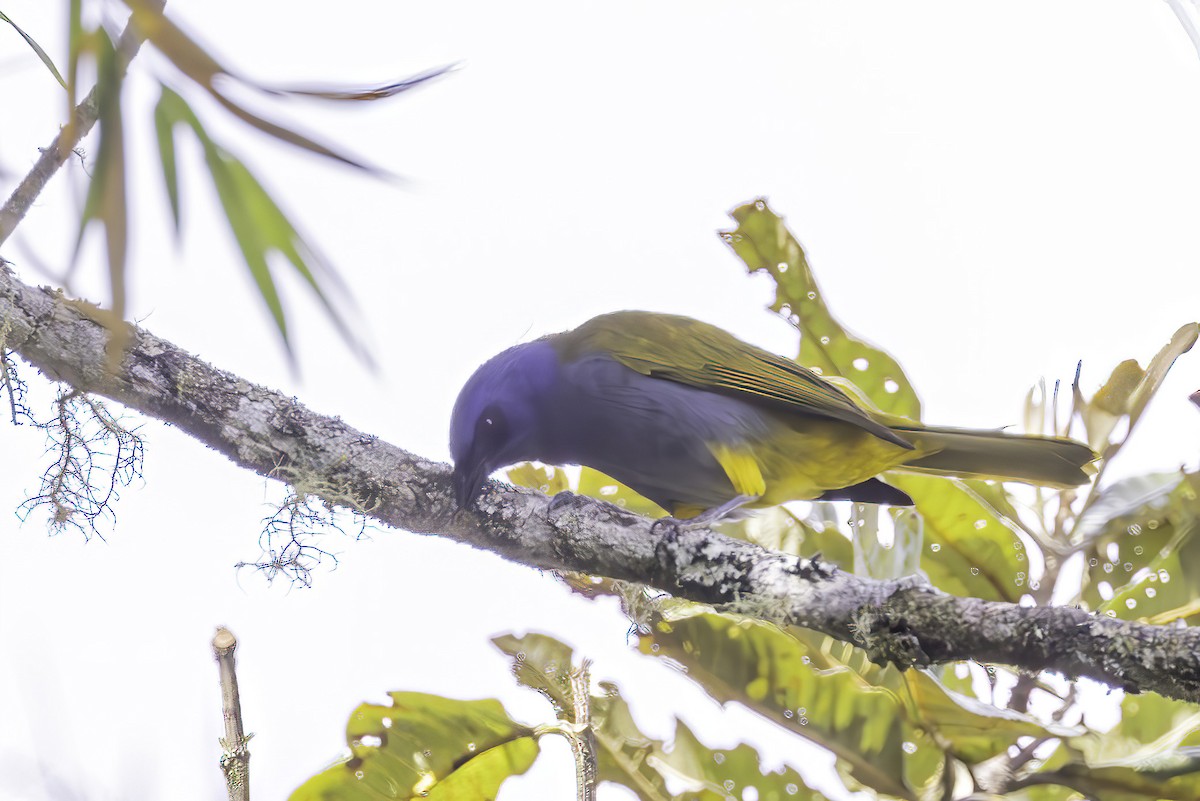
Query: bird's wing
[[701, 355]]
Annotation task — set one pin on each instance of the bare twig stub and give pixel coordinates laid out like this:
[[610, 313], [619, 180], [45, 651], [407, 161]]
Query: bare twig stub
[[902, 621], [235, 756]]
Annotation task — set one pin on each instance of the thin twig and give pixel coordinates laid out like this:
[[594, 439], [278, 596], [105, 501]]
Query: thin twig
[[68, 138], [235, 756], [583, 742]]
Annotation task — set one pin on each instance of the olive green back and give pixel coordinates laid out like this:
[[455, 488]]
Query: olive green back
[[691, 352]]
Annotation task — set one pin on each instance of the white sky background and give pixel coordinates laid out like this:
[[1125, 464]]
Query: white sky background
[[990, 191]]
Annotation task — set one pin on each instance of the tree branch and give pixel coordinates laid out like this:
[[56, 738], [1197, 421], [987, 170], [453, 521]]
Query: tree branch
[[901, 621]]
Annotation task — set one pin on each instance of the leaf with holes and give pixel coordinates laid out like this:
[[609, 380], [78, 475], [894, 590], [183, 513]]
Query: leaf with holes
[[629, 758], [809, 684], [969, 550], [425, 746], [763, 242]]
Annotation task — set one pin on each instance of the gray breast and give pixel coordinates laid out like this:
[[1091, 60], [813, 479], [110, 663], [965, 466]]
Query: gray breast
[[648, 433]]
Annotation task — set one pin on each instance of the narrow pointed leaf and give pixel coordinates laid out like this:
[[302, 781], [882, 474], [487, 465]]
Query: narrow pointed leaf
[[170, 40], [164, 129], [369, 93], [261, 228], [106, 197], [203, 68], [1181, 342], [288, 135], [42, 54], [250, 240], [75, 44]]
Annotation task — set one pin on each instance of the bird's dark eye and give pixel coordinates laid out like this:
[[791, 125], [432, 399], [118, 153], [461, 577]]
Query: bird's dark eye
[[492, 427]]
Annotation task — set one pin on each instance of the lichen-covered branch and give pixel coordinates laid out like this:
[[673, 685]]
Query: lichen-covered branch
[[904, 621]]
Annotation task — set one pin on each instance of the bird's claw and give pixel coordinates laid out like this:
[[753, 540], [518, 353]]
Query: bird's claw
[[669, 528], [560, 502], [815, 568]]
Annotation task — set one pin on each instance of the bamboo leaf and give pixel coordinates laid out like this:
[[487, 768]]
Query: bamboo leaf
[[179, 48], [288, 135], [369, 93], [207, 71], [106, 197], [260, 228], [165, 119], [75, 45], [42, 54]]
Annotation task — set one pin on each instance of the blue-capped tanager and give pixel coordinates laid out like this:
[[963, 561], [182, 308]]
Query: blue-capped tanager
[[703, 423]]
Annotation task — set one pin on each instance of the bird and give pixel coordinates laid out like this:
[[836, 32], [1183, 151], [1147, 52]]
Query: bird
[[708, 426]]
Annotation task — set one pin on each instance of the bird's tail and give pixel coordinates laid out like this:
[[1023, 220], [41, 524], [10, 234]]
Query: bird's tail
[[969, 453]]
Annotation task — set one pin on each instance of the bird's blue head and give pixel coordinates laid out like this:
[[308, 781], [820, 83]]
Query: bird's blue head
[[495, 421]]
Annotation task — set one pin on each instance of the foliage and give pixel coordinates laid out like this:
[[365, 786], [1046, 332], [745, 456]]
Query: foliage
[[926, 734], [965, 730], [262, 230], [425, 746]]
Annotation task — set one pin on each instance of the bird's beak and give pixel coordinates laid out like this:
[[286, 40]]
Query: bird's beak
[[468, 483]]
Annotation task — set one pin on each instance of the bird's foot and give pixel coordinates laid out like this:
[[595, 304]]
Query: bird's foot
[[669, 528], [815, 568], [707, 518], [561, 502]]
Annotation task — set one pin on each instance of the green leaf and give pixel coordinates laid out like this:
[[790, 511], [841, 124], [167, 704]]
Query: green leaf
[[592, 483], [812, 686], [75, 46], [207, 71], [972, 730], [164, 129], [1110, 404], [1126, 764], [106, 197], [719, 774], [425, 746], [628, 757], [763, 242], [42, 54], [871, 557], [261, 228], [969, 550], [1181, 342], [1129, 390], [779, 529], [544, 479], [369, 93], [1156, 572], [595, 484]]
